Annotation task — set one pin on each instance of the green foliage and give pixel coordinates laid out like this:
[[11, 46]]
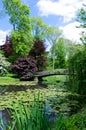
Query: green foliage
[[19, 17], [72, 48], [10, 80], [77, 121], [52, 37], [39, 29], [55, 80], [22, 42], [81, 17], [53, 34], [59, 52], [77, 70], [19, 14], [30, 116], [4, 65]]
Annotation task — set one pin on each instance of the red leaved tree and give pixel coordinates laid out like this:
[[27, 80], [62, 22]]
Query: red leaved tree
[[38, 51]]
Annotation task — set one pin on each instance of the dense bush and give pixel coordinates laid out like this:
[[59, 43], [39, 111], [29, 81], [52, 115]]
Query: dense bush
[[74, 122], [24, 68], [77, 70], [38, 51], [4, 65], [77, 121]]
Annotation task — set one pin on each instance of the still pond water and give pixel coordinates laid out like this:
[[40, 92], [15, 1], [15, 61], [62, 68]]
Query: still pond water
[[56, 98]]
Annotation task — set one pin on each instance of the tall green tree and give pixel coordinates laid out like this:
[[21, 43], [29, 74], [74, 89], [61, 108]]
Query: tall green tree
[[81, 17], [39, 28], [18, 13], [59, 53], [38, 51], [71, 47], [19, 18], [52, 36]]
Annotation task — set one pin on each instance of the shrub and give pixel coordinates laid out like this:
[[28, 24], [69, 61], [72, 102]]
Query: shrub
[[77, 121], [24, 68], [4, 65]]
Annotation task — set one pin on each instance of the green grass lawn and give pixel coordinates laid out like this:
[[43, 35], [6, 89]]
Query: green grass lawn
[[55, 80], [50, 80], [14, 81]]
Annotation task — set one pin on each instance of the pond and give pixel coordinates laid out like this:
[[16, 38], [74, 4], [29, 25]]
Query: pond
[[6, 114], [56, 96], [4, 117]]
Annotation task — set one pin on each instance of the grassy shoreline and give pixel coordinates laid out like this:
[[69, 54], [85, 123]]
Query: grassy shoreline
[[15, 81]]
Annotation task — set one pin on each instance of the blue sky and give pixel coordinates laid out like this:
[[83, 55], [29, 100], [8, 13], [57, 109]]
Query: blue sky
[[59, 13]]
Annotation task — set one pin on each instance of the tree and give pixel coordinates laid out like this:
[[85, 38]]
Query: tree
[[24, 68], [72, 48], [39, 29], [8, 47], [22, 42], [81, 17], [77, 72], [19, 18], [44, 32], [59, 53], [38, 51], [52, 36], [19, 14]]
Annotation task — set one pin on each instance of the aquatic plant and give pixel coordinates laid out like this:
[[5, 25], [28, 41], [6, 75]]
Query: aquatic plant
[[29, 116]]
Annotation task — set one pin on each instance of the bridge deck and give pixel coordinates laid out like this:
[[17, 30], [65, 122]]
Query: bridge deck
[[51, 72]]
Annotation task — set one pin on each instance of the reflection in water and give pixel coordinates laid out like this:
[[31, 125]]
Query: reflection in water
[[57, 96], [4, 117], [1, 127], [50, 115], [0, 114], [0, 119]]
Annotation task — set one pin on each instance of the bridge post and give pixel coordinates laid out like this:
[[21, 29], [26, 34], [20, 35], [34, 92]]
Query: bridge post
[[40, 80]]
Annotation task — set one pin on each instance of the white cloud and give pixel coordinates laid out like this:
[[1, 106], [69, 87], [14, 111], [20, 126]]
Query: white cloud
[[71, 32], [65, 8], [3, 36]]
